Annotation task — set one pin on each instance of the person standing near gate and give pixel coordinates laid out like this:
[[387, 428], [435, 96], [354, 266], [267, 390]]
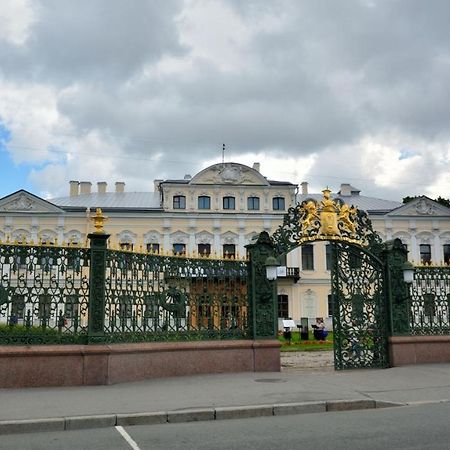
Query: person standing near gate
[[318, 329]]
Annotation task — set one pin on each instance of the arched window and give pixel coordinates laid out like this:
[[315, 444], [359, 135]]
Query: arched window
[[204, 202]]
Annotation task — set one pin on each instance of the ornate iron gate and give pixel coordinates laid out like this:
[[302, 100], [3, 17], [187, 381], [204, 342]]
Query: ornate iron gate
[[359, 308], [358, 275]]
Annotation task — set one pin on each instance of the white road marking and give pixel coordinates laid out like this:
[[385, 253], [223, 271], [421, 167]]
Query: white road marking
[[128, 438]]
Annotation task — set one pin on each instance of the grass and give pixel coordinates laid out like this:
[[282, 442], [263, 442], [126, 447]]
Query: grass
[[307, 346]]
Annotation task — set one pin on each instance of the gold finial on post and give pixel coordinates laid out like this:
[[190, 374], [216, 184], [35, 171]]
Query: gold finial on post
[[99, 219]]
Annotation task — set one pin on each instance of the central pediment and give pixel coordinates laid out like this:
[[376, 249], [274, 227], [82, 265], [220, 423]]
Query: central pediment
[[229, 174]]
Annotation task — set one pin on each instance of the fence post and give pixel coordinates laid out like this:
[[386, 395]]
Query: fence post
[[97, 276], [262, 293], [394, 256]]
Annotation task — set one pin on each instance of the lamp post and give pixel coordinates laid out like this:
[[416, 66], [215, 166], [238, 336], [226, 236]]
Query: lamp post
[[408, 272], [271, 264]]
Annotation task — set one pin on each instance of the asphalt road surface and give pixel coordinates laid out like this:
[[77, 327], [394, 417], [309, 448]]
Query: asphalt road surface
[[412, 427]]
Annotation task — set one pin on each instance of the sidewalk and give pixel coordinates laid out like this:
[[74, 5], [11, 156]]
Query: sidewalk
[[221, 396]]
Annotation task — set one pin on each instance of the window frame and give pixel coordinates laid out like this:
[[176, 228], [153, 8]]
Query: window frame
[[251, 203], [204, 198], [231, 255], [182, 245], [278, 203], [207, 247], [308, 257], [226, 202], [425, 257], [179, 202], [283, 306]]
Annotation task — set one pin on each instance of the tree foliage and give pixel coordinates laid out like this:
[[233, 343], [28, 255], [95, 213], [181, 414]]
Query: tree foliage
[[440, 200]]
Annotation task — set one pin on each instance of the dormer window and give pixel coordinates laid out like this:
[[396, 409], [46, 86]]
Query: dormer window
[[278, 204], [204, 202], [179, 202], [229, 203]]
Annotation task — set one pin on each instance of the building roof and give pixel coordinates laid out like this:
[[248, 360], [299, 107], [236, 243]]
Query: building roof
[[122, 200], [370, 204]]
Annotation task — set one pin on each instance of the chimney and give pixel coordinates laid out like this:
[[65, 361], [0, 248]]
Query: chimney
[[120, 186], [73, 191], [156, 184], [256, 166], [101, 187], [187, 177], [345, 190], [85, 187], [304, 185]]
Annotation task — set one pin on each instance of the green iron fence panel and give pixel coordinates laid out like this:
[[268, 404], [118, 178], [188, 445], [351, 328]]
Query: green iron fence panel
[[429, 301], [44, 293], [160, 298]]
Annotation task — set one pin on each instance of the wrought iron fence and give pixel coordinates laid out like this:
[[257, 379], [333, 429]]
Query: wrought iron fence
[[429, 301], [47, 295], [44, 292], [151, 297]]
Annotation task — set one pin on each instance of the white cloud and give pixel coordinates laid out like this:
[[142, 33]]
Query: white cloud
[[16, 18], [325, 93]]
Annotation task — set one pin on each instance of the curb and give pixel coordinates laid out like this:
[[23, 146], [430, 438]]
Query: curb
[[188, 415]]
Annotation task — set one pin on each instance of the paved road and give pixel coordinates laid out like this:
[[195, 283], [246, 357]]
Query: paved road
[[413, 427]]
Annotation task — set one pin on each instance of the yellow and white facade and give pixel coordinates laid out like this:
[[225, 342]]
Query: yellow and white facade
[[217, 212]]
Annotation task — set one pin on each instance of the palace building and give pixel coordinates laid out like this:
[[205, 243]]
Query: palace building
[[217, 213]]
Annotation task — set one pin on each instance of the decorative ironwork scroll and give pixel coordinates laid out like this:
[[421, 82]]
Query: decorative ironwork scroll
[[327, 220], [360, 312]]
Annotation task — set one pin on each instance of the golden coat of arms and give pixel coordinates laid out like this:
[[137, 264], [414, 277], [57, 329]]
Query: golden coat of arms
[[327, 220]]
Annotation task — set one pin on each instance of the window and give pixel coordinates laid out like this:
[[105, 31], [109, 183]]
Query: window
[[152, 247], [179, 249], [71, 307], [253, 203], [447, 253], [425, 253], [278, 203], [204, 202], [73, 260], [283, 306], [229, 250], [204, 249], [45, 304], [308, 257], [17, 308], [429, 305], [126, 246], [125, 307], [228, 203], [179, 202], [330, 305], [328, 256]]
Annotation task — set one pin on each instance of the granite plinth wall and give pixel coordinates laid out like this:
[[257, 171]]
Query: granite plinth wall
[[75, 365], [405, 350]]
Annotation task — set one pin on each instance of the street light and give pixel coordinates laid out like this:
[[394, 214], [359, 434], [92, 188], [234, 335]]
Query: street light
[[408, 272], [271, 264]]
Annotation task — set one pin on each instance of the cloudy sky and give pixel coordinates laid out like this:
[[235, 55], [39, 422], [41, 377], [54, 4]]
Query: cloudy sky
[[323, 91]]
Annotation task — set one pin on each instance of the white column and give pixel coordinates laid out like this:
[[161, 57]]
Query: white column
[[437, 255]]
